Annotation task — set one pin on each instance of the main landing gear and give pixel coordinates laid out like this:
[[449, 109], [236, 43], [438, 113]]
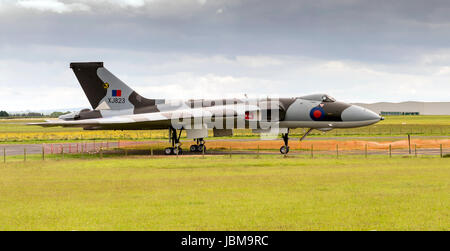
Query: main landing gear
[[199, 147], [285, 149], [175, 139]]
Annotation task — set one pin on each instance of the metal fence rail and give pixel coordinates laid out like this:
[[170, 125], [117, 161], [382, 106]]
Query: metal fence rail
[[120, 148]]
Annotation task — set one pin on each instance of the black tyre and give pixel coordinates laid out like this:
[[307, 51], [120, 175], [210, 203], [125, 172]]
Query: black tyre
[[284, 150], [201, 148], [168, 151], [193, 148], [177, 151]]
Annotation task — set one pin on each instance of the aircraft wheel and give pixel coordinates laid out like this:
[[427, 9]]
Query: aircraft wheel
[[284, 149], [201, 148], [193, 148], [168, 151], [177, 151]]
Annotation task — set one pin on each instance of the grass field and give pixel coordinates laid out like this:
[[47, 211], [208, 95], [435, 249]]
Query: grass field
[[15, 131], [217, 193]]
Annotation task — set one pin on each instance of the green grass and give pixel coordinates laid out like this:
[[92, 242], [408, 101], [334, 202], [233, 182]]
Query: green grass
[[20, 126], [418, 120], [216, 193]]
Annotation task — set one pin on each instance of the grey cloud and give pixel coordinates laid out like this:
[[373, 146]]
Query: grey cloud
[[354, 49], [378, 31]]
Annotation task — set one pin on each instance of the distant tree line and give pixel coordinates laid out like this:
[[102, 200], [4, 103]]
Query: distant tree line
[[28, 114], [4, 114], [55, 114]]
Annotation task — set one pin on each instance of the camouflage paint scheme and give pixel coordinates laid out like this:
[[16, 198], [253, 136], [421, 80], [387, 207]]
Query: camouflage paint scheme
[[117, 107]]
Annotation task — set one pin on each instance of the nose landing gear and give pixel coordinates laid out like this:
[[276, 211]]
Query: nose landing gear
[[285, 149]]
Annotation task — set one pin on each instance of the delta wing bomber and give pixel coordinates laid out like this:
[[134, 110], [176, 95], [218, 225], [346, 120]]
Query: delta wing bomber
[[117, 107]]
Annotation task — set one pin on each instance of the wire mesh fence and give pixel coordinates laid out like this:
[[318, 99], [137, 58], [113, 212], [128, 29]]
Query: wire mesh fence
[[311, 148]]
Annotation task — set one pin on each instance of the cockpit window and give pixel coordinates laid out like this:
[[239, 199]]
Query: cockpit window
[[326, 98], [319, 97]]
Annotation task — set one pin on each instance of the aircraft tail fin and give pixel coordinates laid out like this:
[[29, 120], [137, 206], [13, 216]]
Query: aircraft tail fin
[[104, 90]]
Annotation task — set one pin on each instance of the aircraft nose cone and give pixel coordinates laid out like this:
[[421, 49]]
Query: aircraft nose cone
[[357, 113]]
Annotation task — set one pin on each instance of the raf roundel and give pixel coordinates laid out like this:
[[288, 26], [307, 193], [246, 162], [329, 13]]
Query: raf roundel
[[317, 113]]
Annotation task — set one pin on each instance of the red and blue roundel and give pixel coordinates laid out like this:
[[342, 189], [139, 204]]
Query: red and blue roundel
[[317, 113]]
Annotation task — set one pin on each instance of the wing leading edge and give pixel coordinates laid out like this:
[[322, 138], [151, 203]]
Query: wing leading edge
[[156, 120]]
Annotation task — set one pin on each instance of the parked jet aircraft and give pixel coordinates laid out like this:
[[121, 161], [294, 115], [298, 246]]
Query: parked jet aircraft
[[117, 107]]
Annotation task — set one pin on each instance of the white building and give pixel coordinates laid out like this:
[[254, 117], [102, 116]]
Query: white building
[[423, 108]]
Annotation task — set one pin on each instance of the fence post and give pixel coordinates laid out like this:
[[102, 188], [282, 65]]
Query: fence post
[[4, 154], [62, 152], [409, 143], [442, 155], [43, 152], [312, 151], [230, 152], [257, 153], [415, 150], [24, 154], [151, 151], [390, 151], [365, 151], [126, 151], [203, 152], [337, 151], [101, 152]]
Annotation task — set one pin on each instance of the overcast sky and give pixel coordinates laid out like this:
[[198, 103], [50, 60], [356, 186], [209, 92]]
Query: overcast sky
[[355, 50]]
